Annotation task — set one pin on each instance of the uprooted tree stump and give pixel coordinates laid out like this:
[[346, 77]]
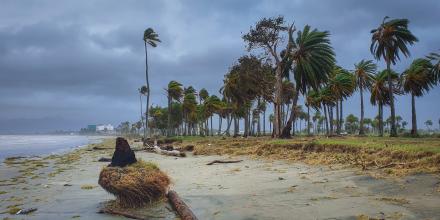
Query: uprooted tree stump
[[123, 154], [135, 185]]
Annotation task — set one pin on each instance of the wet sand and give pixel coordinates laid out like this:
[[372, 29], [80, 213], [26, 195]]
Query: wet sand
[[252, 189]]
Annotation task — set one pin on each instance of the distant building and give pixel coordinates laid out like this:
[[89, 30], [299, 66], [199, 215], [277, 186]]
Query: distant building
[[91, 128], [104, 128]]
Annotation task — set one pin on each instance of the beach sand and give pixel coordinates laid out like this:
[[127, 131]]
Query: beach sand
[[65, 187]]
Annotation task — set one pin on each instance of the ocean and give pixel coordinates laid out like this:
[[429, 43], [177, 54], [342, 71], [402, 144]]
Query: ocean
[[42, 145]]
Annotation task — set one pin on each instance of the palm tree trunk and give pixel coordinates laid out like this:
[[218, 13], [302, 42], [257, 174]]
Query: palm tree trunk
[[169, 116], [142, 113], [264, 122], [338, 127], [212, 131], [219, 125], [148, 90], [361, 123], [380, 120], [330, 116], [393, 131], [413, 114], [340, 115], [308, 120], [326, 120]]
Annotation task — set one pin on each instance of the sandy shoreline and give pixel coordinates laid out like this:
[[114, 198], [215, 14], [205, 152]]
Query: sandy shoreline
[[65, 187]]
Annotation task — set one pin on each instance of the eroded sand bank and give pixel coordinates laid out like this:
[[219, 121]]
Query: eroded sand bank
[[252, 189]]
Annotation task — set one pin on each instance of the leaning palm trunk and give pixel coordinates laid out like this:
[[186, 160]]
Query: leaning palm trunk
[[413, 116], [148, 91]]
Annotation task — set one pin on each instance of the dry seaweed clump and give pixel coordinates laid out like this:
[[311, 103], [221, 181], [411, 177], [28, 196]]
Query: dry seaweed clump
[[135, 185]]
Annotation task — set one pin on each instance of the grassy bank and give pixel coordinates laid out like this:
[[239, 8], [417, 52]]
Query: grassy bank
[[390, 156]]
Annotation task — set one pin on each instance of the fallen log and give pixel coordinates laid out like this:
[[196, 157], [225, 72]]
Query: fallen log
[[125, 214], [175, 153], [181, 208], [224, 161]]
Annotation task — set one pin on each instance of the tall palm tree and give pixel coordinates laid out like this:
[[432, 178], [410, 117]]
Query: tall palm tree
[[143, 92], [417, 80], [380, 94], [387, 41], [151, 38], [364, 71], [174, 92], [312, 60]]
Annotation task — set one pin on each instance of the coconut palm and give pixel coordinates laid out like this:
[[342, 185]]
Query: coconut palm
[[417, 80], [310, 56], [387, 42], [435, 59], [342, 85], [364, 71], [174, 92], [428, 124], [151, 38], [380, 94]]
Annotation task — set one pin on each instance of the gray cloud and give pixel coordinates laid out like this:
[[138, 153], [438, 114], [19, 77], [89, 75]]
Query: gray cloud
[[65, 64]]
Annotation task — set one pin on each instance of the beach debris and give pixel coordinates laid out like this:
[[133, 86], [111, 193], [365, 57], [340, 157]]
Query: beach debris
[[26, 211], [181, 208], [175, 153], [224, 161], [135, 185], [123, 154], [67, 184], [104, 159], [281, 178], [187, 148], [167, 148]]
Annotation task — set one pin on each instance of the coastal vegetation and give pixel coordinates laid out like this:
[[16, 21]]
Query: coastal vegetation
[[285, 65]]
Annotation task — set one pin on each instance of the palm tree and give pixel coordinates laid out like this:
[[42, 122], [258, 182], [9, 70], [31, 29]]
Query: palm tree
[[363, 72], [388, 40], [151, 38], [380, 94], [342, 85], [428, 124], [142, 92], [310, 56], [417, 80], [174, 92], [435, 58]]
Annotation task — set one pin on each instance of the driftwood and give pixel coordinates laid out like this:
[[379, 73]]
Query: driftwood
[[26, 211], [175, 153], [125, 214], [224, 161], [179, 205], [105, 159]]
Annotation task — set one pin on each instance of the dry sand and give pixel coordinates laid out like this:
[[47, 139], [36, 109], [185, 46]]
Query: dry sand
[[252, 189]]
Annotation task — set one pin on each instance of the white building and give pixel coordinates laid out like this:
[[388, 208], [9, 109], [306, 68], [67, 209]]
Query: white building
[[104, 128]]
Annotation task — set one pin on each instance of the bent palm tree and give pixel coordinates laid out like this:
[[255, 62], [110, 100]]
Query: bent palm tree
[[313, 59], [174, 92], [387, 41], [151, 38], [363, 72], [417, 80]]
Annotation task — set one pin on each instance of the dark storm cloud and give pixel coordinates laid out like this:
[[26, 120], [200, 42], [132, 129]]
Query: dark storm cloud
[[65, 64]]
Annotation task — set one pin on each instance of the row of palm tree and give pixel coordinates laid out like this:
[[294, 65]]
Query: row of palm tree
[[305, 66]]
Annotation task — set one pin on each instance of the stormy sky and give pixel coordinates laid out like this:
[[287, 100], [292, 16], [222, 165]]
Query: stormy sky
[[66, 64]]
